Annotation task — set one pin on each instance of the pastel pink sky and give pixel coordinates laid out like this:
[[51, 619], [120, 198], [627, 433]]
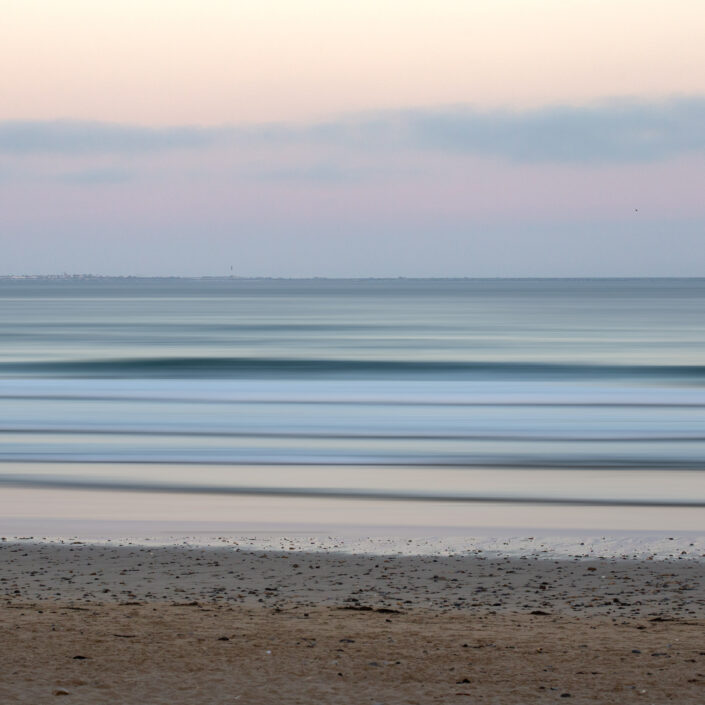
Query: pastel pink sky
[[223, 61], [417, 137]]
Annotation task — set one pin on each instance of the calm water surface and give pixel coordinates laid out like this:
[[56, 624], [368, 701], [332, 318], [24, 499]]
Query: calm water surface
[[533, 389]]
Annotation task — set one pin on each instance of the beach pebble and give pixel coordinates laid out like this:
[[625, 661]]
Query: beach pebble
[[61, 691]]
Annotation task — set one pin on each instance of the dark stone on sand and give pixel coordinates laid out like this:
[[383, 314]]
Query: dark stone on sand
[[357, 608]]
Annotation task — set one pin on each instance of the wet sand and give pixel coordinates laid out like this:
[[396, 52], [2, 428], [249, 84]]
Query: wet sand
[[175, 624]]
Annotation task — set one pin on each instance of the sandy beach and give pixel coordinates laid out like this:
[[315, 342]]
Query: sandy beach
[[102, 623]]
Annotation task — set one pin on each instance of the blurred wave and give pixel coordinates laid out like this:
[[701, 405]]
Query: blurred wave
[[317, 368], [479, 376]]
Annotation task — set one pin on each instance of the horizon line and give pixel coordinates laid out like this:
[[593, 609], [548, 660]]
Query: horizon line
[[391, 277]]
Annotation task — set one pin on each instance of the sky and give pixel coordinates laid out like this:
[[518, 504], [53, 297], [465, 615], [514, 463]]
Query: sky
[[385, 138]]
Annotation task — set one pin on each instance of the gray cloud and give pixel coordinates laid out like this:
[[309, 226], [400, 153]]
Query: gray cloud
[[609, 132], [74, 137]]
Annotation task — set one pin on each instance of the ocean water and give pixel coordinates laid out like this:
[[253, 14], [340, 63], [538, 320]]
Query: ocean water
[[523, 390]]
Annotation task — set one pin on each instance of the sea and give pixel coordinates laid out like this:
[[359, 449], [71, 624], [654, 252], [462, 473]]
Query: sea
[[541, 391]]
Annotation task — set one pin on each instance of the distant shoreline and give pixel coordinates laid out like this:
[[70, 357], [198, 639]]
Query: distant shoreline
[[131, 277]]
